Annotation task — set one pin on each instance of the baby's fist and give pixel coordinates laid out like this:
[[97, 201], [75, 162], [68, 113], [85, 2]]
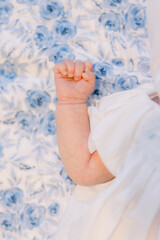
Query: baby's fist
[[74, 80]]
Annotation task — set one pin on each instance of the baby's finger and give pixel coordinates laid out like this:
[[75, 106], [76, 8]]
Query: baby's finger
[[60, 68], [89, 77], [70, 67], [88, 66], [79, 69]]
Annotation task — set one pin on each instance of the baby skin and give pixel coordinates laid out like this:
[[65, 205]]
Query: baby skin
[[75, 82]]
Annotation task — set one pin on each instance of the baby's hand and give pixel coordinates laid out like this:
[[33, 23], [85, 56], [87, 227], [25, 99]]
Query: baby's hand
[[74, 80]]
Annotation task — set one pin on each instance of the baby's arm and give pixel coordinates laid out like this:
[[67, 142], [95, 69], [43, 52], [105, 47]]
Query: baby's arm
[[73, 87]]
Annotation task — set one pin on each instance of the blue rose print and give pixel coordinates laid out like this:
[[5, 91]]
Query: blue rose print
[[54, 209], [102, 69], [42, 37], [6, 10], [64, 29], [125, 82], [38, 99], [12, 198], [32, 216], [136, 17], [59, 53], [9, 223], [111, 21], [26, 121], [51, 9]]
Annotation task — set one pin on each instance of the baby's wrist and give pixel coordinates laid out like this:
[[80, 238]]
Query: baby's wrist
[[70, 101]]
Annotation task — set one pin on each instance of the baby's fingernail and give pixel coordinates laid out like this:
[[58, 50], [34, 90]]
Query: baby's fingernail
[[87, 70], [65, 73]]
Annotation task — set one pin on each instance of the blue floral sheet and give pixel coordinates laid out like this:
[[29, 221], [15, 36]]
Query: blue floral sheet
[[34, 35]]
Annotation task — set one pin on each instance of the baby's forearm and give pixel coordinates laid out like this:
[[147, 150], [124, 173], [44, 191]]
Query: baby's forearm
[[73, 126], [73, 130]]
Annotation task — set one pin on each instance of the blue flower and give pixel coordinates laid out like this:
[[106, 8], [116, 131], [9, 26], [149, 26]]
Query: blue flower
[[111, 21], [9, 222], [7, 73], [58, 53], [32, 216], [38, 99], [136, 17], [64, 29], [125, 82], [102, 69], [26, 120], [51, 9], [48, 123], [42, 37], [12, 198], [118, 62], [6, 10], [54, 209], [30, 2]]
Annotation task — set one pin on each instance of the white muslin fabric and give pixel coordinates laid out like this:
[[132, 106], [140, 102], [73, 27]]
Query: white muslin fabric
[[114, 124], [125, 130]]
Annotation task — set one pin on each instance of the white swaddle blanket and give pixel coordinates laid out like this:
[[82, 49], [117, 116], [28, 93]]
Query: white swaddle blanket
[[125, 131], [126, 135]]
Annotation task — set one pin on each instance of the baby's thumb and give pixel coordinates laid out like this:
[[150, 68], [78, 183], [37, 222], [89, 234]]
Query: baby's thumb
[[89, 77]]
